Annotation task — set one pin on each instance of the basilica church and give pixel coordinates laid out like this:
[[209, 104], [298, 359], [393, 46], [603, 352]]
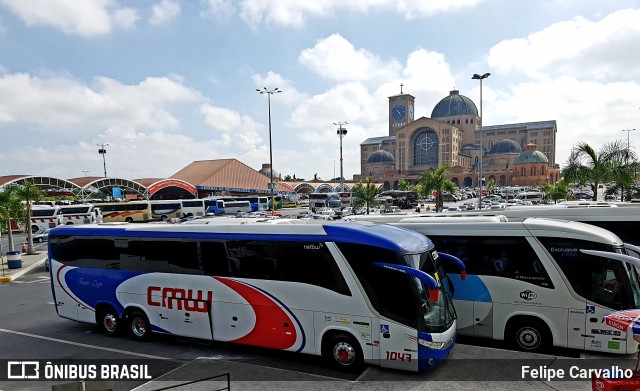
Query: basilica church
[[521, 154]]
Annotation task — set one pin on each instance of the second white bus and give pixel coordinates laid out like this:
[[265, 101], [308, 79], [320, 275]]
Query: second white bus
[[535, 283], [80, 214], [44, 217]]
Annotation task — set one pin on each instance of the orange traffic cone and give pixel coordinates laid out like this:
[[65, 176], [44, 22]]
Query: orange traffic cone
[[24, 247]]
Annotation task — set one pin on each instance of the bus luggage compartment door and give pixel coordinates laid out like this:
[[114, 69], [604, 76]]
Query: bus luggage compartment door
[[483, 319], [185, 317]]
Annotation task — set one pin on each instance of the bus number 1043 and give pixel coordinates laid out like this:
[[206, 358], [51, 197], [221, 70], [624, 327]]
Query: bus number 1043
[[398, 356]]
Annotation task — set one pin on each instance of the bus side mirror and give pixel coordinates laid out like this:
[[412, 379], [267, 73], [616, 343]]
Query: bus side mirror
[[458, 261], [430, 282]]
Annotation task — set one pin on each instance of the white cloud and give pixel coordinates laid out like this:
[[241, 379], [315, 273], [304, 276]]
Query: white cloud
[[575, 47], [164, 12], [336, 59], [240, 131], [217, 9], [64, 103], [87, 18], [295, 13]]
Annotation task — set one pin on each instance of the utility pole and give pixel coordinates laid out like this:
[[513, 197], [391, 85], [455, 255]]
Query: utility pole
[[341, 133], [102, 151]]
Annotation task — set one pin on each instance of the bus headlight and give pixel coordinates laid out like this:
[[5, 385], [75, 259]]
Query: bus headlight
[[430, 344]]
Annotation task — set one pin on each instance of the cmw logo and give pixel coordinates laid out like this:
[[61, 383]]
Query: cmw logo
[[528, 295]]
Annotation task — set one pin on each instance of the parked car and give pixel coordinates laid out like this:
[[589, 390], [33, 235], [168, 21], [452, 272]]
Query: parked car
[[42, 237]]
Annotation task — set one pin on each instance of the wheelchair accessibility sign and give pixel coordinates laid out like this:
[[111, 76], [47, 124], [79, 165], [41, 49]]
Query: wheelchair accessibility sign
[[384, 328]]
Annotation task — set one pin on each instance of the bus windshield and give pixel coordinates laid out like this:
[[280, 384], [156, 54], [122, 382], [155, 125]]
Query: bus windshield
[[440, 314]]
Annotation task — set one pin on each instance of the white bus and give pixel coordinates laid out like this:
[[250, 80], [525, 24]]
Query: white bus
[[129, 212], [80, 214], [165, 209], [352, 293], [192, 208], [43, 218], [624, 221], [536, 283]]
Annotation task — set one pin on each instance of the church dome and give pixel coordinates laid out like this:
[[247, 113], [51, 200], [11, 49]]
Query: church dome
[[381, 157], [266, 171], [454, 104], [470, 147], [531, 155], [505, 146]]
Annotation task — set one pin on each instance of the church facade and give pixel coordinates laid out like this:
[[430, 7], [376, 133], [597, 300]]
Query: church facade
[[521, 154]]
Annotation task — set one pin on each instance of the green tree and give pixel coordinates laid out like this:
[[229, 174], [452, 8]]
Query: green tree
[[558, 192], [29, 193], [491, 185], [404, 184], [365, 194], [586, 167], [436, 181], [10, 202]]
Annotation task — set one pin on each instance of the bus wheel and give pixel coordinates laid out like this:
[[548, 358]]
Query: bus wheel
[[530, 335], [343, 352], [129, 220], [109, 322], [140, 326]]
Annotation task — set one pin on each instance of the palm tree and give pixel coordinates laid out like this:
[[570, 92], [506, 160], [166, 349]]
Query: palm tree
[[365, 194], [436, 181], [11, 204], [588, 167], [28, 192]]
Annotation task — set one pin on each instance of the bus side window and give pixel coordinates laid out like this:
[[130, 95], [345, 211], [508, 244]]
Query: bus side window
[[215, 260], [258, 259]]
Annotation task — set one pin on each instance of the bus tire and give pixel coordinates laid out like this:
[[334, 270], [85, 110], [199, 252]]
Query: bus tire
[[343, 352], [109, 322], [139, 326], [529, 335], [129, 220]]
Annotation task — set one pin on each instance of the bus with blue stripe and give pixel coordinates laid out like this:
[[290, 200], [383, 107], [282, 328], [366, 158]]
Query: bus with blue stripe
[[536, 283], [355, 294]]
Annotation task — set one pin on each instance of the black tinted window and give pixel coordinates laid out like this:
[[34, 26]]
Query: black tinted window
[[509, 257]]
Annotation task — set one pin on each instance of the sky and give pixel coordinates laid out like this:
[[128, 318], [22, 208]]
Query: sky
[[163, 83]]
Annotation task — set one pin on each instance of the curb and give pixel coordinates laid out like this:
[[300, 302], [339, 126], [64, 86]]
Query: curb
[[22, 272]]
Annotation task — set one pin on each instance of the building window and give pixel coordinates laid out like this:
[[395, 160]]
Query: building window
[[471, 120], [425, 148], [542, 170], [466, 121], [533, 170]]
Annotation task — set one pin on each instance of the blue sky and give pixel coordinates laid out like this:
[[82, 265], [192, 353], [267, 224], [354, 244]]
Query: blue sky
[[168, 82]]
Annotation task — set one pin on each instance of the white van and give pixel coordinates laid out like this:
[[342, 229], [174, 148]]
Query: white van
[[535, 197]]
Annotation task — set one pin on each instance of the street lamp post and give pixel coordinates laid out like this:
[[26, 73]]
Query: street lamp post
[[341, 133], [271, 184], [102, 151], [626, 159], [479, 77]]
